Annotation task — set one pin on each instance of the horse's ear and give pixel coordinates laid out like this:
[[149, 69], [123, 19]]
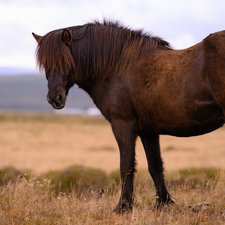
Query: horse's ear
[[37, 37], [66, 36]]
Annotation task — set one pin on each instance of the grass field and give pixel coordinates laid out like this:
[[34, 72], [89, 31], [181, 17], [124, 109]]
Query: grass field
[[42, 142], [28, 201]]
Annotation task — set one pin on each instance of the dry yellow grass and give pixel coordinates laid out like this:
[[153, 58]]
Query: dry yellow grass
[[30, 202], [50, 142]]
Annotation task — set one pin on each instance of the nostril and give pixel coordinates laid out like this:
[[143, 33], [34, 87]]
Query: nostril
[[58, 98], [57, 102]]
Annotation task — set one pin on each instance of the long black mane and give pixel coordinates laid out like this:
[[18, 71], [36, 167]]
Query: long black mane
[[97, 49]]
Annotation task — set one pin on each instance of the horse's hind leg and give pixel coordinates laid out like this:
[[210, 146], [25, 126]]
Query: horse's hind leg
[[155, 167], [125, 134]]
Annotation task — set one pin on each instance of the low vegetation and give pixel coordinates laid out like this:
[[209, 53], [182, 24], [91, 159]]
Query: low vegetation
[[84, 195], [79, 195]]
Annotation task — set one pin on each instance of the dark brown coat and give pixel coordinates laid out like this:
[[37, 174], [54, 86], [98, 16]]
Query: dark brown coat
[[142, 87]]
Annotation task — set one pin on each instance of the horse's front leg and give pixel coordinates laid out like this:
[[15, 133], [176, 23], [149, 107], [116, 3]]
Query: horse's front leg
[[155, 167], [125, 134]]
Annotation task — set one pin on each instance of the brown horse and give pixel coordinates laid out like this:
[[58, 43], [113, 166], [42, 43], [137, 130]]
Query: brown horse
[[142, 87]]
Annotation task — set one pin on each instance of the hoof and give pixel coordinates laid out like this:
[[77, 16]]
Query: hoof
[[160, 203], [122, 208]]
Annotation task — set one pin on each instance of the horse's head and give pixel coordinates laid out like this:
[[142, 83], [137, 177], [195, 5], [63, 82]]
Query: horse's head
[[54, 55], [57, 89]]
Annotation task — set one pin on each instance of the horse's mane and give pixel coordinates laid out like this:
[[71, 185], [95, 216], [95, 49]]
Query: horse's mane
[[96, 49]]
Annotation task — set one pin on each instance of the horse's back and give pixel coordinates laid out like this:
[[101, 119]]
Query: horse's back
[[171, 94]]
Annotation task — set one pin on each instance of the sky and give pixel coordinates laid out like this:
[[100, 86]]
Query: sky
[[182, 23]]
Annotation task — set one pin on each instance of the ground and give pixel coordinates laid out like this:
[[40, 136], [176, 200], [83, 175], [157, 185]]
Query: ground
[[48, 142]]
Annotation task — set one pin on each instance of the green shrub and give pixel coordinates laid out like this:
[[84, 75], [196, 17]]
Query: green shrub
[[115, 176], [193, 176], [10, 173], [78, 178]]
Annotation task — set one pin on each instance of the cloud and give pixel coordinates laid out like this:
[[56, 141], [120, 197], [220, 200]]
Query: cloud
[[182, 23], [185, 40]]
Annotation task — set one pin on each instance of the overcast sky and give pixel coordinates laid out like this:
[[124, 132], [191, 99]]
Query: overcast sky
[[182, 23]]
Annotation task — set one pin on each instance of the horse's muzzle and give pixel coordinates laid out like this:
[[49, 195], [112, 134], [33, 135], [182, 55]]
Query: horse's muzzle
[[57, 103]]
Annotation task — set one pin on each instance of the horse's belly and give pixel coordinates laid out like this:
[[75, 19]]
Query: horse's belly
[[182, 123], [193, 130], [203, 118]]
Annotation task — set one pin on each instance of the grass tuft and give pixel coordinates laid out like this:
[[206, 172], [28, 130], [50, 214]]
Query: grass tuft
[[30, 199]]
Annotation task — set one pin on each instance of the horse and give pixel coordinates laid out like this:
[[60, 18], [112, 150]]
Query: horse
[[141, 85]]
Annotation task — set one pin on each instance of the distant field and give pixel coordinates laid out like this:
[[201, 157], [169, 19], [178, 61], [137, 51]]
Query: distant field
[[28, 93], [45, 142]]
